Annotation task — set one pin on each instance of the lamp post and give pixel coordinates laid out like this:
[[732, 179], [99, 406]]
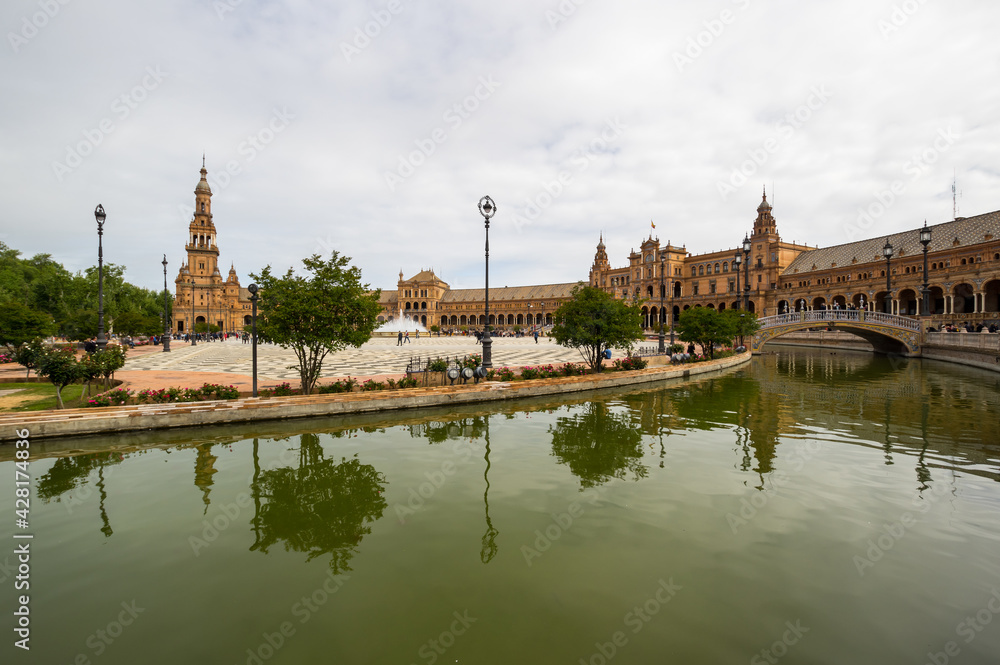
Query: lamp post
[[663, 288], [253, 331], [925, 240], [100, 216], [166, 319], [746, 274], [738, 260], [487, 208], [887, 253]]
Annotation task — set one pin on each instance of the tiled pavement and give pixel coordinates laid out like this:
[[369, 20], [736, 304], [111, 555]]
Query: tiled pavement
[[379, 356]]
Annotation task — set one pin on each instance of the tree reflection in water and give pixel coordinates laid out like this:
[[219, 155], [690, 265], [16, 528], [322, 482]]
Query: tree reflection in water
[[598, 445], [320, 507], [70, 473]]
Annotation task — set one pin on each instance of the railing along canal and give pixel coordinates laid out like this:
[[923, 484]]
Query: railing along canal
[[846, 315]]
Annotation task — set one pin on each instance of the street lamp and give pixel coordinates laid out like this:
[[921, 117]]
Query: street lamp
[[925, 240], [746, 275], [253, 331], [487, 208], [166, 320], [99, 215], [663, 288], [738, 260], [887, 253]]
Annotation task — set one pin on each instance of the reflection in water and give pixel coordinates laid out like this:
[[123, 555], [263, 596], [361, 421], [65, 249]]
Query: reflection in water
[[70, 473], [204, 469], [320, 507], [489, 549], [598, 445]]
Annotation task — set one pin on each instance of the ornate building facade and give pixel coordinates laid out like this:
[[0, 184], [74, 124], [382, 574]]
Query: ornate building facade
[[963, 262], [428, 300], [202, 297]]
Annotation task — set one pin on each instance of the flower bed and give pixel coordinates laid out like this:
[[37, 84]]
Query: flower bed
[[121, 396]]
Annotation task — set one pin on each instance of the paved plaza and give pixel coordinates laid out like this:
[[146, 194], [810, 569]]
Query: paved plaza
[[379, 356]]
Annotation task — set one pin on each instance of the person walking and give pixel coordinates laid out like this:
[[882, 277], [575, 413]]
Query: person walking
[[399, 338], [536, 337], [406, 337]]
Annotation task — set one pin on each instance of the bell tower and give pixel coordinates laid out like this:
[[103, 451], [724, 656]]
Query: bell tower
[[765, 225]]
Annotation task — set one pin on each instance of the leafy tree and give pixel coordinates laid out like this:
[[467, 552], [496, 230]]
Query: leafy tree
[[598, 445], [745, 324], [29, 355], [90, 369], [592, 321], [20, 324], [316, 315], [62, 369], [110, 360], [706, 327]]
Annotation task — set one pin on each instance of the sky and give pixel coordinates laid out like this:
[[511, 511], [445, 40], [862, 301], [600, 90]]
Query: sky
[[374, 128]]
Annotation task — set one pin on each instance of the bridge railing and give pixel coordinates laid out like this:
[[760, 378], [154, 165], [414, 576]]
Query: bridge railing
[[833, 315]]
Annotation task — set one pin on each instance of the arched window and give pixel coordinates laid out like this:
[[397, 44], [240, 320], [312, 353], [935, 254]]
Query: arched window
[[725, 267], [716, 268], [701, 270]]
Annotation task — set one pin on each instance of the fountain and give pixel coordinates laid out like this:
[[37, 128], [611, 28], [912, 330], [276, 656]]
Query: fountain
[[400, 324]]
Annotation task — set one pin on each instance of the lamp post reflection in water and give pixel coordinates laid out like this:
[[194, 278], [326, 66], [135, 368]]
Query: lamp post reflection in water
[[490, 547]]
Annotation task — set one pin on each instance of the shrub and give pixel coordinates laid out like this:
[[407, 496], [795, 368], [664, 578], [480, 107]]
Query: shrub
[[116, 397], [150, 396], [572, 369], [528, 373], [372, 384], [283, 390], [548, 372], [675, 348], [472, 361], [408, 382], [501, 374], [219, 391], [6, 358], [438, 365], [630, 363], [391, 383]]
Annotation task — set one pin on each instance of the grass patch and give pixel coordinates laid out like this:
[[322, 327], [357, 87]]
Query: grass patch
[[39, 396]]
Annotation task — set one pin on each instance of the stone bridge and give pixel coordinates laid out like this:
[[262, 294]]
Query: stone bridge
[[888, 333]]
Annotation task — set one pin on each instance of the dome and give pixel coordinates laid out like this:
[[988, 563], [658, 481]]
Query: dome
[[764, 205]]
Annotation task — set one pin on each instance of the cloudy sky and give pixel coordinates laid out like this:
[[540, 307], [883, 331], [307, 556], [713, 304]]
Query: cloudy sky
[[373, 128]]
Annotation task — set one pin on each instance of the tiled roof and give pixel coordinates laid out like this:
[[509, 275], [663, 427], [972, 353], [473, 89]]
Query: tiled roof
[[389, 296], [426, 276], [959, 233], [538, 292]]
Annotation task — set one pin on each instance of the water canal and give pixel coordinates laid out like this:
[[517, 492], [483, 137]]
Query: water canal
[[807, 508]]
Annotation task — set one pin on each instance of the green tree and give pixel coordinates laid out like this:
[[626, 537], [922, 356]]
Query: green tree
[[29, 355], [19, 324], [62, 369], [745, 324], [316, 315], [706, 327], [110, 360], [592, 321]]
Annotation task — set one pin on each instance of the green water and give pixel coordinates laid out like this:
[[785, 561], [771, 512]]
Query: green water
[[807, 508]]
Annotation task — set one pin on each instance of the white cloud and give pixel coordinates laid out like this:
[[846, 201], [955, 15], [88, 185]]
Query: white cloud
[[321, 181]]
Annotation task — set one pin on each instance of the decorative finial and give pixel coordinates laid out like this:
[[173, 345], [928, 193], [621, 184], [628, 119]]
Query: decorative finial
[[202, 160]]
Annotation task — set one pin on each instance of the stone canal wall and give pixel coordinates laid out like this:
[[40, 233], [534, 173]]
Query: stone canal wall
[[80, 422]]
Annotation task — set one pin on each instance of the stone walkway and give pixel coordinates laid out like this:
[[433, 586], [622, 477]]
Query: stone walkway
[[379, 356]]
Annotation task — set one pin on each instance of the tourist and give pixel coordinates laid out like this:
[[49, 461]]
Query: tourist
[[536, 337], [406, 337], [399, 338]]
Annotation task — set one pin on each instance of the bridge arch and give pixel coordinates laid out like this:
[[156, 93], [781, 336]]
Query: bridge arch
[[887, 333]]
